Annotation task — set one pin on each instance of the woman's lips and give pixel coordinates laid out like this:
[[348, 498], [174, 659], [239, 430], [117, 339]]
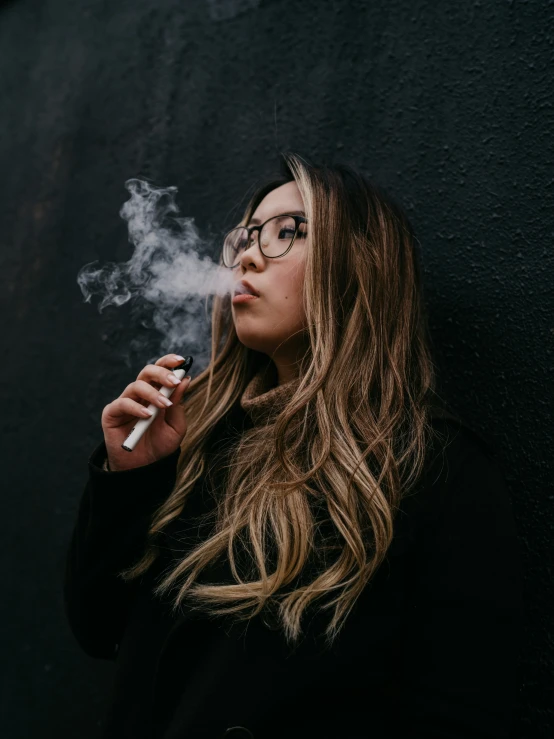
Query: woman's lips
[[244, 298]]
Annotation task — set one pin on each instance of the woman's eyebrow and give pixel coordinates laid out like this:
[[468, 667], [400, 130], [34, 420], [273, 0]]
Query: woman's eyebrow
[[257, 221]]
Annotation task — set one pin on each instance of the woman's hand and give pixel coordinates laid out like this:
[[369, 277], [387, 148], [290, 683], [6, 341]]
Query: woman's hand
[[166, 431]]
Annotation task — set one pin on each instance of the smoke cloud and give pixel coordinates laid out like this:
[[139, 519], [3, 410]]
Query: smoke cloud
[[168, 278]]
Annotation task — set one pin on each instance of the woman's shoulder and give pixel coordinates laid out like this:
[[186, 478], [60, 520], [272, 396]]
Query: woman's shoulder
[[461, 469], [454, 437]]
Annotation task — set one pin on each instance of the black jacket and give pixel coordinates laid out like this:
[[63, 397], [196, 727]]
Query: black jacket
[[429, 651]]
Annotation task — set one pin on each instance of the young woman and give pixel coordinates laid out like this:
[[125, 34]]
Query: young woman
[[304, 545]]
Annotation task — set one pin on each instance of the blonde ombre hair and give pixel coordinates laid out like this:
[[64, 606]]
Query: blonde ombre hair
[[352, 436]]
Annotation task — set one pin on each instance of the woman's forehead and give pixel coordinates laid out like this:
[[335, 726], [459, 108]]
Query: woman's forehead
[[284, 199]]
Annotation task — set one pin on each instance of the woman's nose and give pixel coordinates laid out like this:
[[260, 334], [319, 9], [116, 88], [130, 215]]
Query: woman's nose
[[250, 252], [253, 240]]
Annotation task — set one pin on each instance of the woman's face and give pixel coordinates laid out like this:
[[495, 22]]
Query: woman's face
[[273, 323]]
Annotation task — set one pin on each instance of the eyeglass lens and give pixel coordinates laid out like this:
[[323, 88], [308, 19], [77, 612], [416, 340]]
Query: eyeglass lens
[[275, 239]]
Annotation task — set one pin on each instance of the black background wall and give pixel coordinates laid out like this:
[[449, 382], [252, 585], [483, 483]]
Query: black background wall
[[449, 106]]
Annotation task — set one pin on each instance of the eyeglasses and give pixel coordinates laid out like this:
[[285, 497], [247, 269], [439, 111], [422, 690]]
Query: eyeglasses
[[275, 238]]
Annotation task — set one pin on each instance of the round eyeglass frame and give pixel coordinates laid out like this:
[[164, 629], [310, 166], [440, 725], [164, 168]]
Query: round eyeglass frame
[[297, 221]]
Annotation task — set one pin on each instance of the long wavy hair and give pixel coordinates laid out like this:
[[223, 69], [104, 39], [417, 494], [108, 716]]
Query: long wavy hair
[[350, 441]]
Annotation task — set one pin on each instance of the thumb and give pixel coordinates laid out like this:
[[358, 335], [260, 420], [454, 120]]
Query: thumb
[[175, 415]]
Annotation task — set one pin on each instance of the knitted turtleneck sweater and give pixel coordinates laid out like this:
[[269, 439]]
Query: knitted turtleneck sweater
[[263, 397]]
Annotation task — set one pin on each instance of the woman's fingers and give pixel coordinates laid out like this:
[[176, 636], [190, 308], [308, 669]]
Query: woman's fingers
[[142, 390], [180, 390], [146, 390], [169, 360], [127, 407], [176, 415], [158, 374]]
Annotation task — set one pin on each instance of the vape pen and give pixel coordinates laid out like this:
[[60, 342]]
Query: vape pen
[[141, 426]]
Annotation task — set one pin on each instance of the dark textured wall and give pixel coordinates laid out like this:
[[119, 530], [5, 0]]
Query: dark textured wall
[[449, 107]]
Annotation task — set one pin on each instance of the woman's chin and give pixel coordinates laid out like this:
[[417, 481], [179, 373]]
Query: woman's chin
[[255, 341]]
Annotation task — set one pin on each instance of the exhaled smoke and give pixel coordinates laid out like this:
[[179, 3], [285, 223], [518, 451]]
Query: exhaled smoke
[[166, 273]]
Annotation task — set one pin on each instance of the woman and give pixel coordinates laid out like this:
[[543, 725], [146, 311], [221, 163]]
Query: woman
[[304, 544]]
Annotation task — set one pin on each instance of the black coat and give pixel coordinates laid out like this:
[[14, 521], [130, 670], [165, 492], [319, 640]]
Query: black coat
[[429, 651]]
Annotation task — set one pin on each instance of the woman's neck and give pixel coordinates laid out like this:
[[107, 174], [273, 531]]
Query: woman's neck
[[286, 372], [288, 362]]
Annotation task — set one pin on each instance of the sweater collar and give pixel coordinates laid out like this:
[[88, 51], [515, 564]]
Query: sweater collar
[[263, 398]]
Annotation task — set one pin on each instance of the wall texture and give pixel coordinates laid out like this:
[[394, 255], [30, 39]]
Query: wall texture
[[449, 106]]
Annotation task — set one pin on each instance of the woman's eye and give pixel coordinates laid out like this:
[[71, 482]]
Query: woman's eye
[[289, 231]]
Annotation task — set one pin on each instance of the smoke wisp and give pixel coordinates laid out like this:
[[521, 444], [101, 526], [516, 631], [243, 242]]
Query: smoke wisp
[[167, 275]]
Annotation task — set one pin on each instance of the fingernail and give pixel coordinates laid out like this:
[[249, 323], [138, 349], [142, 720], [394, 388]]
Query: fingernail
[[178, 356]]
